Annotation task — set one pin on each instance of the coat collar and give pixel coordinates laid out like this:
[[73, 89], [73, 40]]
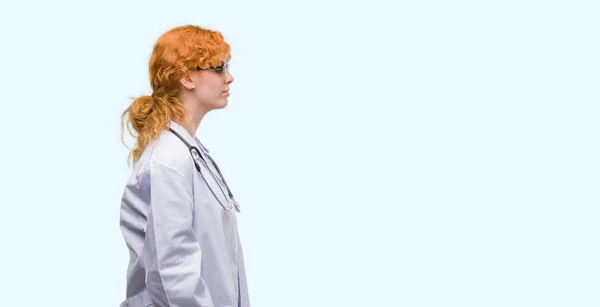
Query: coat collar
[[192, 139], [184, 133]]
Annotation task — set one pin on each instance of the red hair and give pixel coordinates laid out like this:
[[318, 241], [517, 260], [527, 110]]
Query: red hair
[[175, 53]]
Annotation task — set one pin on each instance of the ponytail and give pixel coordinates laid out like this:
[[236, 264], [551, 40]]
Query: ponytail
[[149, 116]]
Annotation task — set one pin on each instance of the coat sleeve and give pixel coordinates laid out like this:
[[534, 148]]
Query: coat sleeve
[[171, 251]]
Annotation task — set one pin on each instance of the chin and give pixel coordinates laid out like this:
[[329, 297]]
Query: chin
[[222, 104]]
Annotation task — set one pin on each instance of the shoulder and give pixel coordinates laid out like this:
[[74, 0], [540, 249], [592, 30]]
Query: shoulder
[[170, 152]]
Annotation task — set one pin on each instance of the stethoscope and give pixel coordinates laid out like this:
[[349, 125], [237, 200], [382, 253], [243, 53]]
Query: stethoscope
[[193, 149]]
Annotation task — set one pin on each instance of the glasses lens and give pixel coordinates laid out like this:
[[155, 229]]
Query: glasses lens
[[225, 69], [222, 69]]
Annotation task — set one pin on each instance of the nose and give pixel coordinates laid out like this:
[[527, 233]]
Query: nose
[[228, 78]]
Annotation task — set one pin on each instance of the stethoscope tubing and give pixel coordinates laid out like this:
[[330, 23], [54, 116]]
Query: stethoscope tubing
[[193, 149]]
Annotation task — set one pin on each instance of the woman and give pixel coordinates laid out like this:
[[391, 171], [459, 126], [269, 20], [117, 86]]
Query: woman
[[178, 216]]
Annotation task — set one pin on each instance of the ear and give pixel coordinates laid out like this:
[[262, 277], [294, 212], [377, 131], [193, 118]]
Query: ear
[[187, 83]]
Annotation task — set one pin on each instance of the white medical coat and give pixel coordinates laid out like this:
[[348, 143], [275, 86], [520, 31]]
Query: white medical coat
[[184, 247]]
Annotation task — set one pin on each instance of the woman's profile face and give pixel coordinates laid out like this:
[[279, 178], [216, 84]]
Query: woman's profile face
[[212, 86]]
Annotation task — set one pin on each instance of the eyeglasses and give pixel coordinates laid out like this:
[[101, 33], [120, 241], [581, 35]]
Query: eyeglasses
[[222, 69]]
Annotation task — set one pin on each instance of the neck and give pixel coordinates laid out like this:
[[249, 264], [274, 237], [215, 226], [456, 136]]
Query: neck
[[196, 114]]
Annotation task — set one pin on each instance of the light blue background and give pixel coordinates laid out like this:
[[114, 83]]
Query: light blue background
[[414, 153]]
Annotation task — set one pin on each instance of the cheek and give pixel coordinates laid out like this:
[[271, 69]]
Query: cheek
[[212, 88], [217, 89], [206, 91]]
